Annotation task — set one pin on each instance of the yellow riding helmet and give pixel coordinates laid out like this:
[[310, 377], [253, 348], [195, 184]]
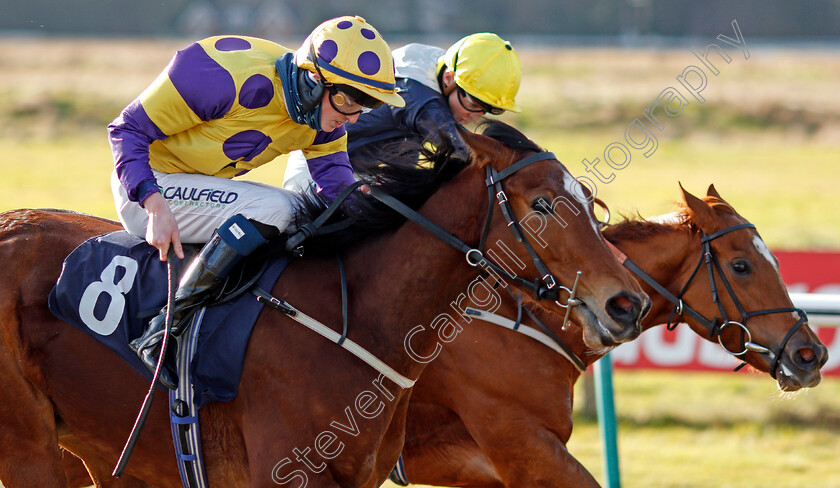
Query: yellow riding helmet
[[351, 52], [486, 67]]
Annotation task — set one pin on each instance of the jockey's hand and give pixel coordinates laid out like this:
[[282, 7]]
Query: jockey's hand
[[162, 230]]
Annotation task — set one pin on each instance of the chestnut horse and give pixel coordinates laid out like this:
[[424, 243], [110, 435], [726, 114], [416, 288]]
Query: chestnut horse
[[306, 412], [495, 409]]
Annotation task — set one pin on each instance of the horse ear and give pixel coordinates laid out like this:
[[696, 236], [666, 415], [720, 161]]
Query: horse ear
[[712, 192], [701, 212]]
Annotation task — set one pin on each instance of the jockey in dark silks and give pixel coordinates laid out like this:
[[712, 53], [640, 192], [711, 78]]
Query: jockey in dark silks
[[477, 75]]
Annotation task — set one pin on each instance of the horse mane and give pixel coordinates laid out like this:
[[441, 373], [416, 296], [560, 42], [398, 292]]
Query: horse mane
[[508, 136], [400, 173], [636, 227]]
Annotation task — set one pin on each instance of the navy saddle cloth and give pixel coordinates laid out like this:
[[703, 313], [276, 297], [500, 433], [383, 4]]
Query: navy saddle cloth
[[110, 284]]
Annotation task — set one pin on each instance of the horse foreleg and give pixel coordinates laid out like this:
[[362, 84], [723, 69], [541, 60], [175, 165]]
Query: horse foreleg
[[83, 467], [29, 452], [535, 458], [75, 471]]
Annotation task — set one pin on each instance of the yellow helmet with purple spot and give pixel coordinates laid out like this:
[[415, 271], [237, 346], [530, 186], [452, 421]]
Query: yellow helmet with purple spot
[[349, 51]]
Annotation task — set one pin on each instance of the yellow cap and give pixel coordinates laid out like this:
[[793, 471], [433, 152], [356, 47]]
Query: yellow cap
[[351, 52], [486, 67]]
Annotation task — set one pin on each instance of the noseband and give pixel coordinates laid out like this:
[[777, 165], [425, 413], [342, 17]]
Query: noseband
[[717, 325]]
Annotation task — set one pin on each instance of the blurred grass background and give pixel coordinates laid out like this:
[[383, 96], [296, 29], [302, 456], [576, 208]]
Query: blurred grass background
[[768, 137]]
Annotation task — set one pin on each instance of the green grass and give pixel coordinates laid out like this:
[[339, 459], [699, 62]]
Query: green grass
[[785, 188], [718, 430], [64, 173]]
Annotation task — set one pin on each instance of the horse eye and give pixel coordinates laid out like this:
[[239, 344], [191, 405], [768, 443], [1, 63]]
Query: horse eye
[[741, 267], [541, 205]]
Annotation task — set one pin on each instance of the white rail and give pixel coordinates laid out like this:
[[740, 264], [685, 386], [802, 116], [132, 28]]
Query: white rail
[[823, 309]]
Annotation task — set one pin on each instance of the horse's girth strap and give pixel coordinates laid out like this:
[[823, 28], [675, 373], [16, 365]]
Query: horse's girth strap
[[335, 337]]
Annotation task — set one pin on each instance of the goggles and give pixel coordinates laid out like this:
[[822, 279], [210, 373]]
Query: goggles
[[344, 103], [474, 105]]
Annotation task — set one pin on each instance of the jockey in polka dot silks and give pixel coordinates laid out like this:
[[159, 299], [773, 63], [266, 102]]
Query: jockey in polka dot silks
[[224, 106]]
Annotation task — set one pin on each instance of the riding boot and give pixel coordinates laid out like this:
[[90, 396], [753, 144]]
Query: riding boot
[[234, 240]]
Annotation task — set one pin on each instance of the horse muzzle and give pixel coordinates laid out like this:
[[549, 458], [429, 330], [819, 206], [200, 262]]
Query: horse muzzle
[[619, 321], [800, 366]]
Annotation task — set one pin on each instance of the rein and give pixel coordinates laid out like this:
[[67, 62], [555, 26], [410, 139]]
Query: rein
[[717, 325], [545, 287], [294, 244]]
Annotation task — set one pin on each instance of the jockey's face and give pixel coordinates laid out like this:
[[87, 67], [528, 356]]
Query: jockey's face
[[461, 114], [332, 119], [459, 111]]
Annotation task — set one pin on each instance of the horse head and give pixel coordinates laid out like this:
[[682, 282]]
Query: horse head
[[754, 316], [547, 241]]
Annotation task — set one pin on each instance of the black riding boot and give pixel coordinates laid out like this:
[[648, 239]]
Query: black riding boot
[[229, 245]]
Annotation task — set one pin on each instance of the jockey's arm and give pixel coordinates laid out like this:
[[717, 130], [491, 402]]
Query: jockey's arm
[[130, 136], [434, 119], [329, 164], [162, 230], [427, 114]]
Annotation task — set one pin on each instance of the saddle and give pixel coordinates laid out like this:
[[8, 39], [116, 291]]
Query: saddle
[[111, 285]]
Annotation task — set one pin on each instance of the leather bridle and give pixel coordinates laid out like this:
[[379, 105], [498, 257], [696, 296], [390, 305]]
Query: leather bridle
[[544, 287], [717, 325]]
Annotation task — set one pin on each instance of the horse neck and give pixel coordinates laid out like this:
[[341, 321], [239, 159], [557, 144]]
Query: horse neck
[[410, 277], [668, 255]]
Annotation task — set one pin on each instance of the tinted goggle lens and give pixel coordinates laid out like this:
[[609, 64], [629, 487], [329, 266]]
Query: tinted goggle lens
[[345, 105], [474, 105]]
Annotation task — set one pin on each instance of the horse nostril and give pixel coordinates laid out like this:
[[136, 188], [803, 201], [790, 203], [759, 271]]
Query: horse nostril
[[822, 355], [645, 308], [805, 357], [806, 354], [623, 304], [624, 308]]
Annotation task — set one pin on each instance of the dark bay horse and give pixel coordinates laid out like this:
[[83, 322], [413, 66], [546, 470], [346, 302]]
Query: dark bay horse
[[495, 409], [307, 413]]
